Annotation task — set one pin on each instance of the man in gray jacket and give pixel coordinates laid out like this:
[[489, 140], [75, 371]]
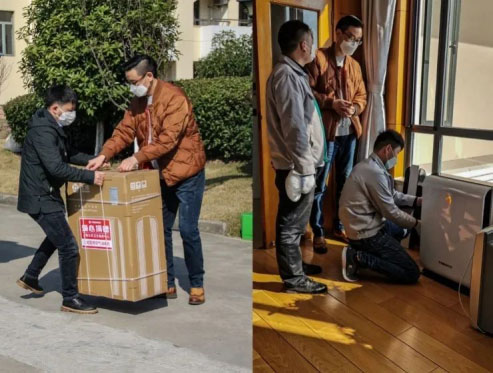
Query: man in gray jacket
[[297, 148], [369, 209]]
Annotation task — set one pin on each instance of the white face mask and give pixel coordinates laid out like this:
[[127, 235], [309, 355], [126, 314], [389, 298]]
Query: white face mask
[[349, 47], [67, 118], [138, 90]]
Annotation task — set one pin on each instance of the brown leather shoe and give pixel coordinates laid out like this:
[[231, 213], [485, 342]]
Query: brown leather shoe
[[340, 235], [319, 245], [171, 294], [197, 296]]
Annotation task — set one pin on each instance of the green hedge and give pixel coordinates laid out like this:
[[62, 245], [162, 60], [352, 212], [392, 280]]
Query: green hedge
[[223, 109], [222, 106], [18, 112]]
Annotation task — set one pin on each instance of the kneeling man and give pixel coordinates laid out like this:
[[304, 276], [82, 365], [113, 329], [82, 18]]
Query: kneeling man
[[369, 209]]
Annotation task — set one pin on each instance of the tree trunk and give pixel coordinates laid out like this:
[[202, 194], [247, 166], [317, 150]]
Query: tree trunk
[[99, 137]]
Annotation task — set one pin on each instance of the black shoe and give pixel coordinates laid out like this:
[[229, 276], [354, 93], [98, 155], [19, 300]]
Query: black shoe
[[307, 286], [349, 265], [30, 284], [319, 245], [77, 305], [311, 269]]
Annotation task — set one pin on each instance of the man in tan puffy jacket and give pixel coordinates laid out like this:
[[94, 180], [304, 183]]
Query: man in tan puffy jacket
[[160, 117], [338, 85]]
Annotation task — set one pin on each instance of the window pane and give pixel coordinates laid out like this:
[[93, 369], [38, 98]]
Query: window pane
[[196, 12], [281, 14], [245, 12], [6, 16], [473, 79], [423, 151], [468, 158], [427, 61], [450, 68], [9, 39]]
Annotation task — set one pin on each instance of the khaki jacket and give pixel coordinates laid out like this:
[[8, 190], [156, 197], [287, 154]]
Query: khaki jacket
[[176, 142], [325, 80]]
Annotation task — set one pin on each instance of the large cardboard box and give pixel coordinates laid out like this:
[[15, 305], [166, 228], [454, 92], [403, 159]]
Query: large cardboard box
[[119, 229]]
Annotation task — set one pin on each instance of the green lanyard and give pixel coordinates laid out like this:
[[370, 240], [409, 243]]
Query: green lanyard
[[315, 103]]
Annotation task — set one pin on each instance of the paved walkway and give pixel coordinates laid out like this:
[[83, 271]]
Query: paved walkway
[[149, 336]]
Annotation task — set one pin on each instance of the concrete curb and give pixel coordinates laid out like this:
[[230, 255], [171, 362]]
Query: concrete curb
[[8, 199], [205, 226]]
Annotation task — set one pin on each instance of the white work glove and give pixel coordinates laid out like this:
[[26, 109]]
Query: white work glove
[[297, 184], [307, 183]]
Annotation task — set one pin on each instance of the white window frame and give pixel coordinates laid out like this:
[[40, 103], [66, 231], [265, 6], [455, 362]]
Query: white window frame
[[3, 24]]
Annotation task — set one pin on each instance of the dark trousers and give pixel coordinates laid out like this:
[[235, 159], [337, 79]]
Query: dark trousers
[[384, 254], [341, 152], [185, 198], [292, 218], [58, 236]]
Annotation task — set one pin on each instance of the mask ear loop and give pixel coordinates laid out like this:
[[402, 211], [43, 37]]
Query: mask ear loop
[[392, 152]]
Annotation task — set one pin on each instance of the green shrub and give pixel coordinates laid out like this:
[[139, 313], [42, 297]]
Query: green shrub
[[83, 44], [223, 109], [231, 55], [18, 112]]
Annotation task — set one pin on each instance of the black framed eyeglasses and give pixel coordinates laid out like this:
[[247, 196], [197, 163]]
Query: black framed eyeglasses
[[352, 39], [135, 82]]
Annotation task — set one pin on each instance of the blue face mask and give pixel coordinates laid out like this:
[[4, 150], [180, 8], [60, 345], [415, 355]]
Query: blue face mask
[[391, 162]]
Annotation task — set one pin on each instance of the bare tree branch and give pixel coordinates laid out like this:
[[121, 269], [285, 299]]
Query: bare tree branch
[[5, 70]]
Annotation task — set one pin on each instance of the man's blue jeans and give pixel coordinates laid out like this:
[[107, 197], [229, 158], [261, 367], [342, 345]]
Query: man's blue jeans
[[341, 152], [184, 198], [384, 254], [58, 236]]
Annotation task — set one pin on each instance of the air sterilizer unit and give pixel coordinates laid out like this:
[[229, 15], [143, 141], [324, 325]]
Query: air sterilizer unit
[[453, 213]]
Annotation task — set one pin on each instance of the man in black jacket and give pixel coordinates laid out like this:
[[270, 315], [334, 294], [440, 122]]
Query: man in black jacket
[[46, 155]]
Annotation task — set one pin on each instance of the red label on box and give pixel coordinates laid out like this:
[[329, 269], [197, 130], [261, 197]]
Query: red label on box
[[95, 234]]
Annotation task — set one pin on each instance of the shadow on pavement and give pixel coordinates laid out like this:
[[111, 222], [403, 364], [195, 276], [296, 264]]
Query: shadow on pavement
[[181, 273], [50, 282], [10, 250]]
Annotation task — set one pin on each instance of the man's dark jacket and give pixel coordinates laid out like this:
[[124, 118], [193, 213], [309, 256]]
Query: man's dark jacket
[[44, 167]]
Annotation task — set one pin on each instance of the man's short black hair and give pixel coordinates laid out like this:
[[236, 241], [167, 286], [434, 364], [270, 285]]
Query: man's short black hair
[[347, 22], [142, 63], [291, 34], [389, 137], [60, 94]]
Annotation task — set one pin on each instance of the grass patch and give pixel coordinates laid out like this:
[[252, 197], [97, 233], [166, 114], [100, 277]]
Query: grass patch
[[228, 193], [228, 190], [10, 165]]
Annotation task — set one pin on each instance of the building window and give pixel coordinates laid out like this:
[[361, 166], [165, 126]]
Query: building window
[[6, 33], [196, 13], [245, 12]]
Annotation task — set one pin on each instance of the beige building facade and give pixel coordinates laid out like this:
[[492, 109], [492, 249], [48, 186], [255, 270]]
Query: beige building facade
[[199, 21], [11, 20]]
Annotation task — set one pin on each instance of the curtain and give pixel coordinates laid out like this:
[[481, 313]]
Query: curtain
[[378, 19]]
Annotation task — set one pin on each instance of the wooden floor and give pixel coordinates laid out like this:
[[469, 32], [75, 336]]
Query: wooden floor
[[369, 326]]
